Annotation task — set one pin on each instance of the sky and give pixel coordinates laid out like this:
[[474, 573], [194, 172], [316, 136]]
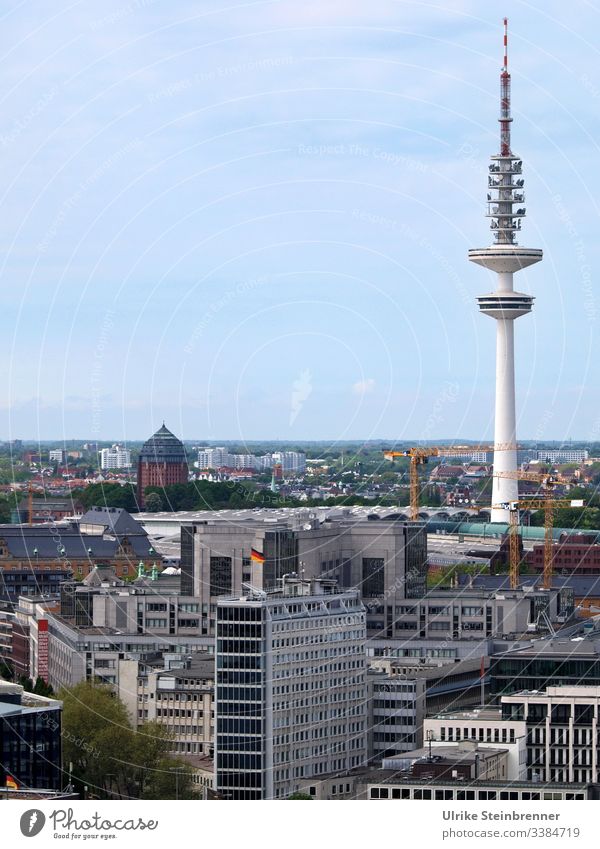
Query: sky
[[251, 219]]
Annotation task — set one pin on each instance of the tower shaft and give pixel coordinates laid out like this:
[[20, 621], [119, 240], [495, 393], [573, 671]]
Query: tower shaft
[[505, 431]]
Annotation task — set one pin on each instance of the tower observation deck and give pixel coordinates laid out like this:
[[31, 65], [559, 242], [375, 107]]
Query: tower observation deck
[[506, 211]]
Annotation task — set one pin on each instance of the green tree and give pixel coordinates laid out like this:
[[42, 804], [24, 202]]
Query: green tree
[[153, 502], [42, 688], [110, 756], [98, 738], [108, 495]]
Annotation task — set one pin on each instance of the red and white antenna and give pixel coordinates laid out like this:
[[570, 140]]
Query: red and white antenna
[[505, 118]]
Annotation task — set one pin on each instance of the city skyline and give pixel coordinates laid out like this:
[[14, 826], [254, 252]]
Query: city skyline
[[272, 240]]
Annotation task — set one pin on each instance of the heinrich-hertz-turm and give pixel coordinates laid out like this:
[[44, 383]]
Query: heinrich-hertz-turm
[[506, 210]]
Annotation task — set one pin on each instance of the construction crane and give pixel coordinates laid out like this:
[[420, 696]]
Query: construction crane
[[548, 505], [420, 455]]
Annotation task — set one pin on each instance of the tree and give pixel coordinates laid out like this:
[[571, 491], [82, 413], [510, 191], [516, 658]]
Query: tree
[[154, 503], [299, 795], [110, 756], [108, 495], [42, 688], [98, 738]]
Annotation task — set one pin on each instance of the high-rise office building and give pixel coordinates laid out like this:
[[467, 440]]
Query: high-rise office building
[[291, 688]]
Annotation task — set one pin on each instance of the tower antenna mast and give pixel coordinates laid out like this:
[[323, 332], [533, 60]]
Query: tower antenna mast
[[505, 116]]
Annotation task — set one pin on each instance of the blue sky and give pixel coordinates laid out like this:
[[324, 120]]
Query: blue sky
[[252, 219]]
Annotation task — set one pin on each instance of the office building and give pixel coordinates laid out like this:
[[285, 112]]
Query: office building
[[291, 688], [562, 723], [562, 455], [387, 560], [403, 692], [389, 786], [174, 691], [30, 740], [558, 661], [485, 726]]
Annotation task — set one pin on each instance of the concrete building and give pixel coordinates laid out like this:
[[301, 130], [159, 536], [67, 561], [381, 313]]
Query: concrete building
[[478, 612], [162, 462], [504, 305], [115, 457], [403, 692], [485, 726], [101, 628], [466, 761], [214, 458], [291, 688], [389, 786], [151, 604], [545, 663], [57, 455], [385, 559], [562, 455], [175, 691], [562, 732], [290, 461]]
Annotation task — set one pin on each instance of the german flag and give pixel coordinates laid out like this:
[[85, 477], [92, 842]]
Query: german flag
[[256, 556], [10, 782]]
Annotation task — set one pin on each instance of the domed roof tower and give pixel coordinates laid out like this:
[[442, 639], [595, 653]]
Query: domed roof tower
[[162, 462]]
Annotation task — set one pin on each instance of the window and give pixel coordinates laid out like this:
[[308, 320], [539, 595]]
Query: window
[[373, 577], [220, 575]]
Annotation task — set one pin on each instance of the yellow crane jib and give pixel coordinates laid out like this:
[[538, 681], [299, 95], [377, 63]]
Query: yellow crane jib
[[419, 455]]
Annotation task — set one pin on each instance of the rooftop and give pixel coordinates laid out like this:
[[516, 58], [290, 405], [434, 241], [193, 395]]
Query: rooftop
[[163, 446], [578, 646]]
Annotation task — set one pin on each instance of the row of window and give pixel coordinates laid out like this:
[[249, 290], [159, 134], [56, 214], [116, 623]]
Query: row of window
[[425, 793]]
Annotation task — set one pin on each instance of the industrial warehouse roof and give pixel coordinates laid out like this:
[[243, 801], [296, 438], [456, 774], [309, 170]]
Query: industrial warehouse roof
[[447, 520]]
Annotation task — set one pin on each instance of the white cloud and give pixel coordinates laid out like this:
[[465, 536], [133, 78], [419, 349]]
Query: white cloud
[[363, 387]]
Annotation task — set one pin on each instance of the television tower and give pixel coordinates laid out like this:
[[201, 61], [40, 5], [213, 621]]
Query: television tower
[[505, 209]]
